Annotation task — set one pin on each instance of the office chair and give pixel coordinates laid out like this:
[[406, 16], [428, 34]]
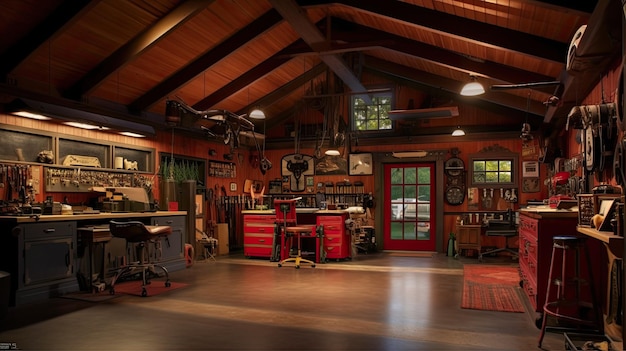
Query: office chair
[[286, 218], [138, 235]]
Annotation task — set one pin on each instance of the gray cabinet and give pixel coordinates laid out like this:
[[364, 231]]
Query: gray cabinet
[[46, 256], [171, 253]]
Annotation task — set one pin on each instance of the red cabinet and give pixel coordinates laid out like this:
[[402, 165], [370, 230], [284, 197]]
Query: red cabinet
[[536, 231], [336, 238], [258, 235]]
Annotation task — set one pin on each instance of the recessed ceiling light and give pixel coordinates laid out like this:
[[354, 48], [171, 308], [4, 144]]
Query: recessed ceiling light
[[85, 126], [32, 115], [134, 135]]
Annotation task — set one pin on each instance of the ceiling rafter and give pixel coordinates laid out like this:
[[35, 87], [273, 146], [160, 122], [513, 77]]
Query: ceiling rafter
[[434, 54], [44, 31], [466, 29], [301, 23], [600, 44], [247, 78], [510, 113], [286, 89], [452, 86], [135, 47], [200, 64]]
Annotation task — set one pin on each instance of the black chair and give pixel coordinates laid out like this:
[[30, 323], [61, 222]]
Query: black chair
[[138, 235]]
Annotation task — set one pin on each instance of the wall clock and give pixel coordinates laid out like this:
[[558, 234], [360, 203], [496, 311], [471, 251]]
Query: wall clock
[[455, 183], [455, 195], [454, 166]]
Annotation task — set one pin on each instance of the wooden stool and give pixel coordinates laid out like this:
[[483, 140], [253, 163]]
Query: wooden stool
[[565, 304]]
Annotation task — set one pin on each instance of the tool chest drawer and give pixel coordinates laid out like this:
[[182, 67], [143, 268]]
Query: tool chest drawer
[[536, 231], [336, 238], [260, 218], [258, 235]]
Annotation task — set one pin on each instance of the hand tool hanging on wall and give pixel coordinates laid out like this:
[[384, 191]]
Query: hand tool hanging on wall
[[9, 191]]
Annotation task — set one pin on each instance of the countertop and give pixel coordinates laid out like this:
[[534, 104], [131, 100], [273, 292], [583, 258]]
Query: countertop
[[96, 216], [547, 211], [313, 210]]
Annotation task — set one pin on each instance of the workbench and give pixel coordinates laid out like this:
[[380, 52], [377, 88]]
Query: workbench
[[41, 252]]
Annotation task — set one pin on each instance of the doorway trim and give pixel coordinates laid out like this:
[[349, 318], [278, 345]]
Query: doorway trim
[[436, 156]]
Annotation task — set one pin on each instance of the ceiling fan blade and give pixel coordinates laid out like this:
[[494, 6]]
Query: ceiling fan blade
[[436, 112], [524, 85]]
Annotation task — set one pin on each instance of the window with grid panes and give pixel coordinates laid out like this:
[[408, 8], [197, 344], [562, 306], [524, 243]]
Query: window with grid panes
[[493, 172], [372, 117]]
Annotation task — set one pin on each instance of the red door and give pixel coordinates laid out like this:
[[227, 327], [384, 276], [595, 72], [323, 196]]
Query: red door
[[409, 193]]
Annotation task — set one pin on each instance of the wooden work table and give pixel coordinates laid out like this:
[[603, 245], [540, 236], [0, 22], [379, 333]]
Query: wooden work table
[[45, 254], [614, 245], [88, 217]]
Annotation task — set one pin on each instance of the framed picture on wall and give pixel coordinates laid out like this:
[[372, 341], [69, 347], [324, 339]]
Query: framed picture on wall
[[530, 169], [360, 164], [531, 185]]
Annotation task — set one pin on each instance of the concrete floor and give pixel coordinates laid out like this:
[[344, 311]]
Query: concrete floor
[[374, 302]]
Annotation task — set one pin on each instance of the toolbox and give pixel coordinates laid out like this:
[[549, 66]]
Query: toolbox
[[582, 341]]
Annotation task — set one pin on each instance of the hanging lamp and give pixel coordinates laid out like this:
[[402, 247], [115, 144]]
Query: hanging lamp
[[473, 88], [458, 132]]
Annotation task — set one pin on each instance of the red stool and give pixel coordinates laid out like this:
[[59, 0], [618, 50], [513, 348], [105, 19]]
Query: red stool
[[567, 302]]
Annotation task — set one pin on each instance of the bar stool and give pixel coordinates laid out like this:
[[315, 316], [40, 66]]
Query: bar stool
[[567, 302], [138, 235], [288, 229], [297, 233]]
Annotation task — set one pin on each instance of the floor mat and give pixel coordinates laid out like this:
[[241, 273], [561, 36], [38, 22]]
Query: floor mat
[[156, 287], [491, 288], [89, 296]]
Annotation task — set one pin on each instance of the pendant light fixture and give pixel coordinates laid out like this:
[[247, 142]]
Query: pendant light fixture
[[257, 114], [473, 88], [458, 132]]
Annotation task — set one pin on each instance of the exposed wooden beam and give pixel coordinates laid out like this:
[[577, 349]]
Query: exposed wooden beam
[[135, 47], [199, 65], [301, 23], [456, 26], [257, 72], [352, 32], [286, 89], [438, 83], [598, 46], [510, 113], [51, 26]]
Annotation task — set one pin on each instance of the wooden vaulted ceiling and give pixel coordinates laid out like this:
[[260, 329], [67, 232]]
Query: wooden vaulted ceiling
[[126, 57]]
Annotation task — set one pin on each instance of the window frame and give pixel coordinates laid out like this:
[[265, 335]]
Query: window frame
[[495, 156], [353, 120]]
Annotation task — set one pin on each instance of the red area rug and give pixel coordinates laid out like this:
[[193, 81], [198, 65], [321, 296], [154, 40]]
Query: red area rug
[[491, 288], [156, 287]]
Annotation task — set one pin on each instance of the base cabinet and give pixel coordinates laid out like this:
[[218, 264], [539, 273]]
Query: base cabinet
[[46, 259], [258, 235], [535, 251], [171, 248], [337, 243], [468, 237]]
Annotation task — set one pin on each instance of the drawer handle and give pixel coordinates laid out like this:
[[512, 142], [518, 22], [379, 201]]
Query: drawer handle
[[261, 240], [262, 230], [49, 230], [330, 238], [169, 222]]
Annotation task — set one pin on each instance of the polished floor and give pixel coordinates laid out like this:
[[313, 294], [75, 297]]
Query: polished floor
[[375, 302]]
